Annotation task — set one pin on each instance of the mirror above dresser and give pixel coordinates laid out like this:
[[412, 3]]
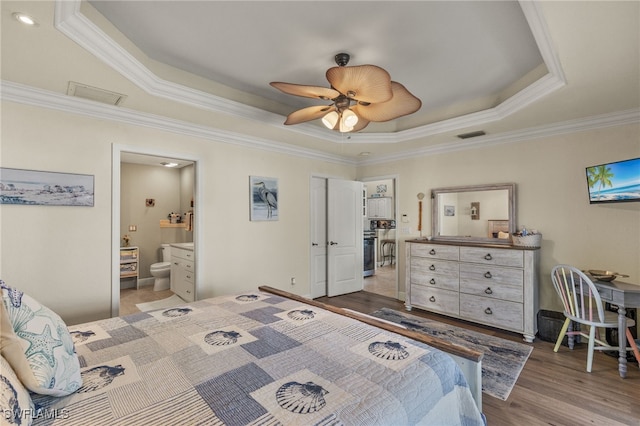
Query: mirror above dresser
[[475, 213]]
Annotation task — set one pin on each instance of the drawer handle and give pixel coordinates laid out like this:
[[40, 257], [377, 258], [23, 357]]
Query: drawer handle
[[432, 299], [488, 257], [176, 263], [188, 276], [488, 311], [488, 290], [432, 252], [488, 274], [432, 268], [433, 281], [188, 291]]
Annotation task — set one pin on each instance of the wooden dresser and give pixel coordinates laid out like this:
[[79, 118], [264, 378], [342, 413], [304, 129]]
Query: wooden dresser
[[491, 284]]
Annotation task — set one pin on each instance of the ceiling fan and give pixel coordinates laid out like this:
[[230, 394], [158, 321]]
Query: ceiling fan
[[359, 95]]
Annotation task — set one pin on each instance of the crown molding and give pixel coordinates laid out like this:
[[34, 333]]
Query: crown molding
[[23, 94], [70, 21], [28, 95], [620, 118]]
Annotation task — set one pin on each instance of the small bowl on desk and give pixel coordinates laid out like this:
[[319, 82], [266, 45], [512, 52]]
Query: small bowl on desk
[[606, 276]]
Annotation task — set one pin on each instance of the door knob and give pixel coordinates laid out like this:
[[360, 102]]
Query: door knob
[[314, 244], [333, 243]]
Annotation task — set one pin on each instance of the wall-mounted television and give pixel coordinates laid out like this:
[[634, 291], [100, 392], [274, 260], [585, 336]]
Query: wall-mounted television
[[614, 182]]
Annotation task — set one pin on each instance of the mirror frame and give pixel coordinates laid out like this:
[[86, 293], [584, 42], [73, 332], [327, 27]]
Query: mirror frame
[[511, 189]]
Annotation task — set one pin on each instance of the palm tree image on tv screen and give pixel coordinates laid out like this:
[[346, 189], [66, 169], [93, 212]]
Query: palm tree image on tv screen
[[614, 182]]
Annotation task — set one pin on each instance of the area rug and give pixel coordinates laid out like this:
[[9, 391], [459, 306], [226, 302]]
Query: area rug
[[502, 362], [169, 302]]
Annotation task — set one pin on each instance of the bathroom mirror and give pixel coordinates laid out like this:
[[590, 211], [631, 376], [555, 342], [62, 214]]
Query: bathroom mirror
[[478, 213]]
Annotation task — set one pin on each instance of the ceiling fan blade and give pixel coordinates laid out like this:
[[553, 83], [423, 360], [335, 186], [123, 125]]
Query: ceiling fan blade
[[308, 114], [306, 91], [366, 83], [402, 103]]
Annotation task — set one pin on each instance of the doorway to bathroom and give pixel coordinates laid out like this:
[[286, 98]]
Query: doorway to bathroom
[[155, 197]]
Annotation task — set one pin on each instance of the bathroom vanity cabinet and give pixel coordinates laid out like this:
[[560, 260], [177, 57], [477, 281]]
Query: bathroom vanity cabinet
[[129, 257], [183, 272], [495, 285]]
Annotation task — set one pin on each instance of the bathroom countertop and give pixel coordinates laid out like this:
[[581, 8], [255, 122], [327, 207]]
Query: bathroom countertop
[[186, 246]]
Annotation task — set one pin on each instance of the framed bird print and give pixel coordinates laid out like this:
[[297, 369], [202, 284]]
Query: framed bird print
[[264, 198]]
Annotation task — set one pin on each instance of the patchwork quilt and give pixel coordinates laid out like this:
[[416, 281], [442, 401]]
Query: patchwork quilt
[[254, 359]]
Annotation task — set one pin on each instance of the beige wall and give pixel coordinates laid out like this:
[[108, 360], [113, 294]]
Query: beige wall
[[551, 197], [62, 255]]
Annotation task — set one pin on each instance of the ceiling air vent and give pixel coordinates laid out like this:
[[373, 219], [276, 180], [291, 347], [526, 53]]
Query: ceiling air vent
[[80, 90], [472, 134]]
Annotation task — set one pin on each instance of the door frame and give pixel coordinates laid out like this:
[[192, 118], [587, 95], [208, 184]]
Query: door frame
[[396, 184], [198, 211], [326, 177]]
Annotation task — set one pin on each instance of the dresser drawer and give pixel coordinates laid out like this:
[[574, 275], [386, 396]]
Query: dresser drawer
[[494, 291], [435, 251], [185, 291], [182, 284], [500, 313], [435, 299], [182, 253], [505, 283], [492, 256], [436, 273], [181, 263]]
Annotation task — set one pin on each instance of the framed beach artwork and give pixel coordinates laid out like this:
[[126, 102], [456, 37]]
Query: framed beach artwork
[[32, 187], [264, 198]]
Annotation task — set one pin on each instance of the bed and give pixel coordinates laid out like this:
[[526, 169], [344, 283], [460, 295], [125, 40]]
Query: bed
[[265, 357]]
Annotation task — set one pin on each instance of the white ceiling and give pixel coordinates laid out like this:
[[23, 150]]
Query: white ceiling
[[516, 70], [457, 56]]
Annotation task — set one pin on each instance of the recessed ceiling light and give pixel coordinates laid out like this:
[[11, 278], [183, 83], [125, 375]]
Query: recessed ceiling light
[[25, 19], [169, 164], [365, 154]]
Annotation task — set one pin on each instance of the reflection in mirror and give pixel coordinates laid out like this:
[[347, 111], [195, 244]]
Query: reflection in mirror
[[474, 213]]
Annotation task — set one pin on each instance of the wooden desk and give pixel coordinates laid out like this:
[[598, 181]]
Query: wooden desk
[[625, 295]]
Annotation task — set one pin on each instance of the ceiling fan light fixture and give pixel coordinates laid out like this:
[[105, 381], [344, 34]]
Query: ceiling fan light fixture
[[360, 95], [344, 128], [349, 118], [330, 120]]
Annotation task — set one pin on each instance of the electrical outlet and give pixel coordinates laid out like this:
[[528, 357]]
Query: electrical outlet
[[293, 280]]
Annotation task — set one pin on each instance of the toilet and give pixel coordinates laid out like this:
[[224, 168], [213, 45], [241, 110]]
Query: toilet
[[162, 270]]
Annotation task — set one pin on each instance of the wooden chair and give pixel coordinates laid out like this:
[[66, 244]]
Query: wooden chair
[[583, 305]]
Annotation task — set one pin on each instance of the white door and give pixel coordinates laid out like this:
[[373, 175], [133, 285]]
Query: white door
[[344, 235], [318, 237]]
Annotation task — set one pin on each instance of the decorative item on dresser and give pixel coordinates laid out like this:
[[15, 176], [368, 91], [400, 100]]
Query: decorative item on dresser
[[495, 285]]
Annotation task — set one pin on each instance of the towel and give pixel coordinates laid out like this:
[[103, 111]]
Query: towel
[[189, 221]]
